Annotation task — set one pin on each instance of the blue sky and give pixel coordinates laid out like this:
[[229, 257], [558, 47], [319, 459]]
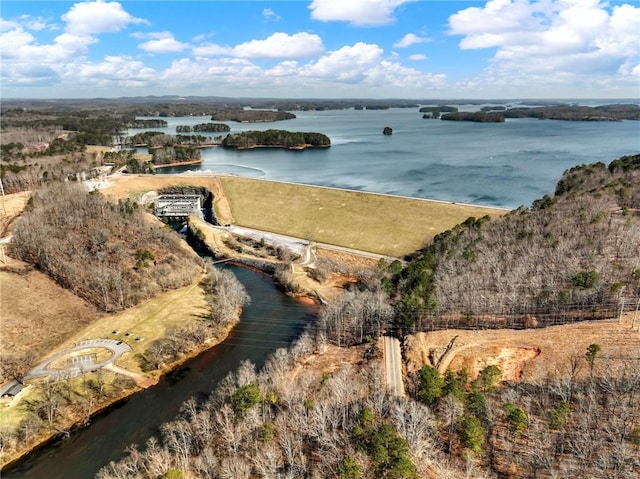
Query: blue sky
[[321, 48]]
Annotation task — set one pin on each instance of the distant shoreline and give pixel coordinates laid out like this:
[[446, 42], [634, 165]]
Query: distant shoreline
[[177, 163]]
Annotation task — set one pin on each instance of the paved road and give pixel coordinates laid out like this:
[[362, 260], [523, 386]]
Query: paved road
[[393, 366], [80, 363], [296, 245]]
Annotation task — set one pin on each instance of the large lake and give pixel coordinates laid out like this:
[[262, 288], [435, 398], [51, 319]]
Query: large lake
[[495, 164]]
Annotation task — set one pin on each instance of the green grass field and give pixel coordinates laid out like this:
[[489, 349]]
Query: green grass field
[[382, 224]]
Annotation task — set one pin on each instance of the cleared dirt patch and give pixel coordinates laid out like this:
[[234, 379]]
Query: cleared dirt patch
[[528, 355], [10, 207], [510, 360]]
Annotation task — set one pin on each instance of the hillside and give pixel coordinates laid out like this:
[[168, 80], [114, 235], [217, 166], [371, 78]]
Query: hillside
[[109, 254], [570, 256]]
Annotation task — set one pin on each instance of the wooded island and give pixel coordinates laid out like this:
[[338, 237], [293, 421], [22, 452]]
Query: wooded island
[[292, 140]]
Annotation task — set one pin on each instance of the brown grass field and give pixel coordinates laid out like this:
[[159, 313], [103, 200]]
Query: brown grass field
[[37, 314], [383, 224]]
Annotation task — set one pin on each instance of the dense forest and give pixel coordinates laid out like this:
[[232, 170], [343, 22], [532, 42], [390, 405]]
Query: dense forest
[[114, 258], [614, 112], [287, 421], [439, 109], [498, 114], [202, 127], [475, 116], [566, 257], [174, 154], [250, 116], [276, 138], [579, 247]]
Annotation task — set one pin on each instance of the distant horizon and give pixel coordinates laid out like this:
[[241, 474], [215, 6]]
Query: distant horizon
[[369, 49], [323, 99]]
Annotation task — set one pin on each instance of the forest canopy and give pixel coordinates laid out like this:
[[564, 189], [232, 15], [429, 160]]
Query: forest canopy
[[276, 138], [568, 256], [115, 258]]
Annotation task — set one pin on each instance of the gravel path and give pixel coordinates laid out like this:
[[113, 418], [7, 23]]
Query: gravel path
[[79, 364]]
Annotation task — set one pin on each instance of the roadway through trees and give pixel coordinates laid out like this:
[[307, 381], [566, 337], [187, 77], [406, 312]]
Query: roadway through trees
[[393, 366]]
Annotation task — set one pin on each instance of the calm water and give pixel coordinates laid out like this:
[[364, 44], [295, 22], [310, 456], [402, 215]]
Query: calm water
[[504, 164], [271, 321], [495, 164]]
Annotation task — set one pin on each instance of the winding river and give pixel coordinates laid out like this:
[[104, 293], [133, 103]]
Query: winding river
[[271, 321]]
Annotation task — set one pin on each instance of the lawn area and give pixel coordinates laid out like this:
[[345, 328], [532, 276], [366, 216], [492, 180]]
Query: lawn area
[[382, 224], [141, 324]]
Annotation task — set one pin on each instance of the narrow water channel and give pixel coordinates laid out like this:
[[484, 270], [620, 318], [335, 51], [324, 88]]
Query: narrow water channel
[[271, 321]]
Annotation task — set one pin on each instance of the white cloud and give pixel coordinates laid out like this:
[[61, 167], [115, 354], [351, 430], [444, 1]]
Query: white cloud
[[281, 45], [12, 41], [26, 61], [92, 18], [212, 50], [269, 15], [356, 12], [7, 25], [162, 42], [356, 70], [36, 23], [278, 45], [349, 63], [364, 64], [571, 42], [115, 71], [417, 57], [410, 39]]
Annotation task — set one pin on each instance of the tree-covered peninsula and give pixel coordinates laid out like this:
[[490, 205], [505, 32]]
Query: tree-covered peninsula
[[250, 116], [475, 116], [293, 140], [203, 127], [614, 112]]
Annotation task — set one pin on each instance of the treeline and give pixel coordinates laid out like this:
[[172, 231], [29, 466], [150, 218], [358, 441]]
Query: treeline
[[59, 159], [109, 254], [498, 114], [202, 127], [157, 139], [567, 256], [614, 112], [174, 154], [54, 402], [581, 421], [438, 109], [225, 297], [51, 145], [90, 127], [147, 123], [272, 423], [475, 116], [276, 138], [292, 421], [251, 116]]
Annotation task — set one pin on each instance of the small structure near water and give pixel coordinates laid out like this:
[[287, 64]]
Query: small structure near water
[[178, 206], [11, 389]]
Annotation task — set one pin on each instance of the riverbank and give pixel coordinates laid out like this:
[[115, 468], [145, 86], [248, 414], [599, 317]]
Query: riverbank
[[74, 419]]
